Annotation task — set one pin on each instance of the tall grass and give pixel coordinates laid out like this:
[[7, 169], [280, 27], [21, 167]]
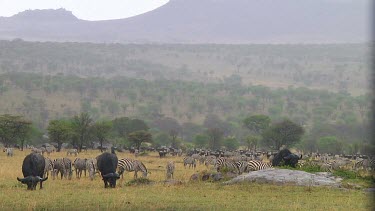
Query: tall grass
[[84, 194]]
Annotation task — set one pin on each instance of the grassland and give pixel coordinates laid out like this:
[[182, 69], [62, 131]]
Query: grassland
[[83, 194]]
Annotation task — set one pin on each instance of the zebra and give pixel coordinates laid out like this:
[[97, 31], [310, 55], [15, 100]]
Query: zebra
[[49, 150], [91, 167], [80, 165], [210, 160], [365, 164], [255, 165], [72, 151], [224, 163], [9, 151], [68, 168], [128, 164], [36, 150], [242, 166], [58, 167], [170, 169], [201, 159], [189, 161], [48, 167]]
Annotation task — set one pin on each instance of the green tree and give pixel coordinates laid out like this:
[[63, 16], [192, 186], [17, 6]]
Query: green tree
[[101, 131], [215, 137], [201, 140], [59, 131], [330, 144], [138, 137], [282, 133], [257, 123], [231, 143], [81, 128], [13, 129], [252, 142]]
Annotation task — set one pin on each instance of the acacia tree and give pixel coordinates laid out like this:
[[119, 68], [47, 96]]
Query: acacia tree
[[215, 137], [282, 133], [257, 123], [14, 128], [140, 136], [81, 127], [100, 131], [59, 131]]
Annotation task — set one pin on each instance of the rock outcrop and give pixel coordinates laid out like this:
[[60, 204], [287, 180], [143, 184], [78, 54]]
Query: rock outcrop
[[288, 177]]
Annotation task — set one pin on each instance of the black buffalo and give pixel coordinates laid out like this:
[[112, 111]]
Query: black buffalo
[[33, 170], [107, 164], [285, 157]]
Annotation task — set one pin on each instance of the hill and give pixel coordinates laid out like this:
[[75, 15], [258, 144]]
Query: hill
[[205, 21]]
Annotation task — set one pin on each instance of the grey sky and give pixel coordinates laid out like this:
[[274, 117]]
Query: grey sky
[[84, 9]]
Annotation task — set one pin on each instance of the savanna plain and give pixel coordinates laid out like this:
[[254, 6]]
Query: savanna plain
[[84, 194]]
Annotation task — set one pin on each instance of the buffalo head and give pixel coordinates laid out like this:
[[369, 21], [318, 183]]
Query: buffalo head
[[31, 181]]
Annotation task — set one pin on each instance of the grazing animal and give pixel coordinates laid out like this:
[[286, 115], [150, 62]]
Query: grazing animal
[[91, 167], [242, 166], [58, 167], [9, 151], [48, 166], [285, 157], [224, 163], [170, 169], [79, 166], [162, 153], [72, 151], [255, 165], [128, 164], [33, 169], [190, 161], [36, 150], [68, 168], [365, 164], [210, 160], [107, 164]]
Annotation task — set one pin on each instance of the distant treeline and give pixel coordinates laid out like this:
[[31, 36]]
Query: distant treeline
[[336, 67], [191, 105]]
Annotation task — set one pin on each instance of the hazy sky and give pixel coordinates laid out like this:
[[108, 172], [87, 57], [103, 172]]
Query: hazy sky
[[84, 9]]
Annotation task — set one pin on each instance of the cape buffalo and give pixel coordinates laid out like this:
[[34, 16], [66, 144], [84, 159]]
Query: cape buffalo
[[33, 170], [288, 158], [107, 164]]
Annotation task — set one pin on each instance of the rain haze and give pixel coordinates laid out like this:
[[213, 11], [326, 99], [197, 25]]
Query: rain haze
[[186, 105]]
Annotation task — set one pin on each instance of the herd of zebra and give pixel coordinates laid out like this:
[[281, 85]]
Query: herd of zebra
[[241, 163], [235, 163], [64, 167]]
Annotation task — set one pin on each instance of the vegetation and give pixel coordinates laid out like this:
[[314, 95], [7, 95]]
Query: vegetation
[[90, 195]]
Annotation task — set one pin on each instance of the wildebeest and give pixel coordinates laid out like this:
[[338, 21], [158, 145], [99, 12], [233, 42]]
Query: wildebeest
[[288, 158], [107, 164], [33, 170]]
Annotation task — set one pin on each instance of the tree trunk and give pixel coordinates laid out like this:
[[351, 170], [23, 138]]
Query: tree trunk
[[59, 144], [101, 145], [22, 142]]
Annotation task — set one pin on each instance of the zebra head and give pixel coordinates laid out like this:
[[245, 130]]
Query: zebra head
[[31, 181], [111, 178]]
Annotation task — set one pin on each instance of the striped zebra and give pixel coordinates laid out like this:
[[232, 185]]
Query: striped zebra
[[36, 150], [170, 169], [9, 152], [58, 167], [189, 161], [79, 166], [68, 168], [210, 160], [226, 164], [255, 165], [72, 151], [128, 164], [48, 167], [365, 164], [91, 167], [242, 166]]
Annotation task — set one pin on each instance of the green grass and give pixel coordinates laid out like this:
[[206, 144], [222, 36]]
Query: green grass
[[84, 194]]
